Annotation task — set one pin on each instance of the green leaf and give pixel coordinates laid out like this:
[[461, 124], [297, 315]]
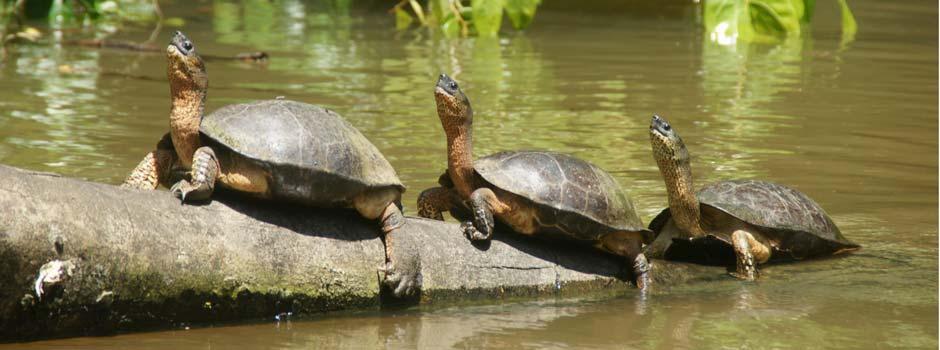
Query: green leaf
[[762, 20], [451, 27], [786, 14], [521, 12], [439, 10], [402, 19], [849, 27], [487, 16], [765, 22], [808, 7], [174, 22], [419, 12]]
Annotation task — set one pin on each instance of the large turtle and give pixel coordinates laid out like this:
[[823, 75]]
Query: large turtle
[[530, 191], [275, 149], [741, 222]]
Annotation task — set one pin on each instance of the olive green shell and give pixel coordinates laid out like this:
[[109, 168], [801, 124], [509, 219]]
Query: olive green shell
[[788, 220], [572, 195], [312, 154]]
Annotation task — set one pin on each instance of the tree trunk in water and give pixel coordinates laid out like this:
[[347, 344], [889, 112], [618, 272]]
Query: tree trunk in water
[[111, 259]]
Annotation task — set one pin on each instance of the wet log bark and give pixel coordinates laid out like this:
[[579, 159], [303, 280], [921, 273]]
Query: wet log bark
[[111, 259]]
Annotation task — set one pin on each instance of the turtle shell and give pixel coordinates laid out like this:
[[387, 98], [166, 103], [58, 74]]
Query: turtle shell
[[788, 220], [572, 194], [311, 153]]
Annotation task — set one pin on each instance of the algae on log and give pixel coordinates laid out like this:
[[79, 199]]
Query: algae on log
[[141, 260]]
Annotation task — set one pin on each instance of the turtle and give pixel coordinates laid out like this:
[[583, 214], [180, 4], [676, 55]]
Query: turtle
[[278, 150], [540, 193], [739, 222]]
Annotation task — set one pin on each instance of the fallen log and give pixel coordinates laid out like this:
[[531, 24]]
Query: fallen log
[[86, 258]]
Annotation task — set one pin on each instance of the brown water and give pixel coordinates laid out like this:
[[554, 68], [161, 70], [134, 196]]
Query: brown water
[[852, 125]]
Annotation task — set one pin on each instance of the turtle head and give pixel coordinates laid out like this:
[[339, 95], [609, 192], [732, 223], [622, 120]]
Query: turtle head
[[453, 107], [667, 145], [186, 68]]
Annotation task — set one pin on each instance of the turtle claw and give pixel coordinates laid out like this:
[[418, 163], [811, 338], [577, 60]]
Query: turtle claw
[[402, 282], [746, 264], [472, 233], [641, 269], [185, 190], [181, 189], [747, 273]]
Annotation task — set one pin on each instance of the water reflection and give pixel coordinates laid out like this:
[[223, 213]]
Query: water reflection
[[854, 127]]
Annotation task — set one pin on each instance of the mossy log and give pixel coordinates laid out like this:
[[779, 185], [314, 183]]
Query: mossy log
[[117, 259]]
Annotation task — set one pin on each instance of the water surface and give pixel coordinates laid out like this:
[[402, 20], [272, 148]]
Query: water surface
[[854, 125]]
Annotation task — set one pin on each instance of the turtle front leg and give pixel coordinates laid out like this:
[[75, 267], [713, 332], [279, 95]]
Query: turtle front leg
[[204, 172], [483, 203], [402, 270], [434, 201], [748, 252], [155, 168], [630, 246]]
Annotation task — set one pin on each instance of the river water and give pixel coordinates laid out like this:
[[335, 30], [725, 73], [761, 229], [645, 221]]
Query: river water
[[851, 123]]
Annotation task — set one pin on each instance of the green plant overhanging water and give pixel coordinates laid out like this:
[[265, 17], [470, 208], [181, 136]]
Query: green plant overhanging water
[[457, 18], [728, 21]]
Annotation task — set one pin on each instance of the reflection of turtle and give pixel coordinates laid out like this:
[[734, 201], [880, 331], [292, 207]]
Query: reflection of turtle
[[275, 149], [748, 222], [532, 192]]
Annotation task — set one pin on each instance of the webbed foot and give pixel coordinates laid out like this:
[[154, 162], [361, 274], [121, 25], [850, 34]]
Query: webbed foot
[[402, 271], [472, 233], [641, 269], [401, 275], [184, 190], [481, 205], [433, 202], [748, 252], [204, 172]]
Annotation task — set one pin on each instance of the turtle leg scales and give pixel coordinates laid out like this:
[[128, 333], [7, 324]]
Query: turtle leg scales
[[204, 172], [402, 270], [630, 246], [483, 203], [748, 252], [434, 201], [154, 169]]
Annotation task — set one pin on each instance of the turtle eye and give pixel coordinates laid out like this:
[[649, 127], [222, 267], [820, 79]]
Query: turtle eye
[[667, 127], [187, 45], [453, 85]]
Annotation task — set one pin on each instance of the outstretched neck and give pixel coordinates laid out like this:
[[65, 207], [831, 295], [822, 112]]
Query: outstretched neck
[[185, 115], [460, 157], [683, 205]]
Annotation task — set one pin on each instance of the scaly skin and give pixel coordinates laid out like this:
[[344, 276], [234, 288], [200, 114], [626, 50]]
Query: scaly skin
[[205, 171], [672, 157], [434, 201], [453, 108], [155, 169], [402, 270], [188, 85], [486, 204], [673, 160]]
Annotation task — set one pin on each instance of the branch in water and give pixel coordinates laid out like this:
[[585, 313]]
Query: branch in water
[[257, 56]]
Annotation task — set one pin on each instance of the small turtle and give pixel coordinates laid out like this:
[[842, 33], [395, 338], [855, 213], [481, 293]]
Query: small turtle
[[532, 192], [744, 222], [276, 149]]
